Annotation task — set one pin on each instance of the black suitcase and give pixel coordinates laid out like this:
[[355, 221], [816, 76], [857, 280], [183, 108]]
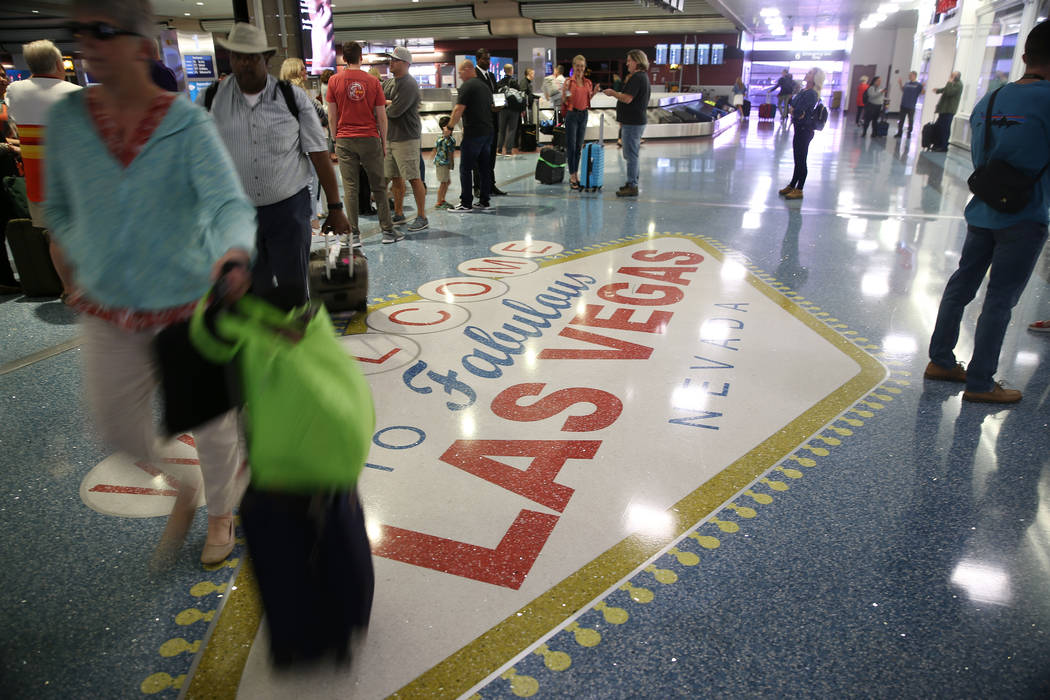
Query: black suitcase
[[529, 138], [745, 109], [880, 128], [929, 135], [550, 166], [30, 246], [344, 286], [313, 562], [686, 115]]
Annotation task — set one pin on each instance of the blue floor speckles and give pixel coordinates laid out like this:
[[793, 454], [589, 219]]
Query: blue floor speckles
[[908, 555]]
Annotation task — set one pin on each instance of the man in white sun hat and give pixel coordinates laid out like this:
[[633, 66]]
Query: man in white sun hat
[[272, 132]]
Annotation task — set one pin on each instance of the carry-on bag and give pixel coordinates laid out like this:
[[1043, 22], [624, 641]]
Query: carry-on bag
[[528, 136], [880, 128], [338, 276], [550, 166], [745, 109], [767, 110], [592, 161], [558, 139], [929, 135], [309, 419], [31, 248]]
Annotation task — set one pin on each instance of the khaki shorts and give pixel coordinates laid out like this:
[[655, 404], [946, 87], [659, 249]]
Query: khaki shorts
[[443, 173], [402, 159]]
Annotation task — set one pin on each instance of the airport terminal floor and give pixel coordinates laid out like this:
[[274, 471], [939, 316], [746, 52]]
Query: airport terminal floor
[[673, 446]]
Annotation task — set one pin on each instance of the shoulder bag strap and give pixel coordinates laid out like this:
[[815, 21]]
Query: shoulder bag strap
[[988, 126]]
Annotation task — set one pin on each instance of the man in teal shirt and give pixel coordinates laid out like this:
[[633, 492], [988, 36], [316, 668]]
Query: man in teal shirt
[[1008, 243]]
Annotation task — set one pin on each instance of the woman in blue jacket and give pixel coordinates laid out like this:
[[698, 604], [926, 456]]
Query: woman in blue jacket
[[803, 111]]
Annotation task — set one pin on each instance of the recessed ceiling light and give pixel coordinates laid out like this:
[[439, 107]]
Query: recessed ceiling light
[[201, 4], [572, 33], [641, 31], [36, 12], [186, 13]]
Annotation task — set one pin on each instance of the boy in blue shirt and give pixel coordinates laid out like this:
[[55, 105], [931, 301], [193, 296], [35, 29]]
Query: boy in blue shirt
[[445, 160], [1008, 243]]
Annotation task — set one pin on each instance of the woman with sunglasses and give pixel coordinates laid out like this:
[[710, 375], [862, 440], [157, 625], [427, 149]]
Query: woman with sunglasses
[[145, 205]]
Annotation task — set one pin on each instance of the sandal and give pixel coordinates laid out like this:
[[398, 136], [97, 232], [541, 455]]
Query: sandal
[[574, 184]]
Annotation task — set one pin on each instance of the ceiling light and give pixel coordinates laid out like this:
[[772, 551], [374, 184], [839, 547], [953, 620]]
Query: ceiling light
[[186, 13], [201, 4], [572, 33], [36, 12], [770, 12], [641, 31]]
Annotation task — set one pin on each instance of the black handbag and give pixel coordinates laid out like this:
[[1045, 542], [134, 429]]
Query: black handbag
[[997, 183], [194, 390]]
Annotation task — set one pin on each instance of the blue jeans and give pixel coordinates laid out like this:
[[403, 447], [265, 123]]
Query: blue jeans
[[1011, 253], [575, 134], [474, 153], [631, 138]]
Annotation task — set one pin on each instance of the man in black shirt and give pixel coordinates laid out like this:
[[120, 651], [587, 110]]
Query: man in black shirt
[[787, 88], [474, 107], [485, 75]]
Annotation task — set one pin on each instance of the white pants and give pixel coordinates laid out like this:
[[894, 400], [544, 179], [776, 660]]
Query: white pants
[[120, 380]]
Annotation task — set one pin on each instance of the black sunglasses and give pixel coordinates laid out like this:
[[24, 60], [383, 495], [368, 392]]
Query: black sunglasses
[[103, 31]]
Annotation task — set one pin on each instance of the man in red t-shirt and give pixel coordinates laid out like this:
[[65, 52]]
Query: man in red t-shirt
[[357, 120]]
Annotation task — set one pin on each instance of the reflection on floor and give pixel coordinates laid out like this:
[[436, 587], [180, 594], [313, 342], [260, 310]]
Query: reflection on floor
[[678, 445]]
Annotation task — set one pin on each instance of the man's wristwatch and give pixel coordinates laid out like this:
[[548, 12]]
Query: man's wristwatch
[[337, 205]]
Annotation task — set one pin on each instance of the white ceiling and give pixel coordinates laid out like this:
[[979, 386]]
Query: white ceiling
[[844, 14]]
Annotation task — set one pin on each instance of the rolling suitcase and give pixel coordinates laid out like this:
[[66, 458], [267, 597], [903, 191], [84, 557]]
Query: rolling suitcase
[[767, 110], [338, 283], [929, 135], [550, 166], [687, 116], [880, 128], [30, 246], [745, 109], [592, 162], [529, 138], [313, 562]]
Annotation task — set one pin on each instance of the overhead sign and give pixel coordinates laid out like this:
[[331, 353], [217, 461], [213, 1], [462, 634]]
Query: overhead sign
[[799, 55]]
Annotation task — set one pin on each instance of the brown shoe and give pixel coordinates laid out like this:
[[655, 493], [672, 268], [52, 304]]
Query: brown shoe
[[795, 193], [945, 374], [787, 190], [997, 395]]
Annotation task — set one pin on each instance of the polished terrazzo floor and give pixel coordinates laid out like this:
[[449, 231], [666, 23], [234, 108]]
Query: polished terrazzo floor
[[882, 540]]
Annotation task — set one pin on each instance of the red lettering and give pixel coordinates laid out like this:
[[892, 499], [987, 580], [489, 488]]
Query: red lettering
[[669, 295], [607, 406], [506, 565], [535, 482], [622, 350], [621, 319], [443, 316], [661, 274], [656, 256]]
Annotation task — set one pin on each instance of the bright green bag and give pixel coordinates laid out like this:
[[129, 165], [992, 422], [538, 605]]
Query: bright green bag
[[308, 409]]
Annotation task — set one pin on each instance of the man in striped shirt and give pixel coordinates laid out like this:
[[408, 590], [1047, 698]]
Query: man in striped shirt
[[275, 152]]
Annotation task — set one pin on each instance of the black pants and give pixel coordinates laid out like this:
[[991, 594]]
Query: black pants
[[908, 112], [800, 146], [282, 244], [944, 129], [871, 114], [472, 154], [490, 162], [860, 113]]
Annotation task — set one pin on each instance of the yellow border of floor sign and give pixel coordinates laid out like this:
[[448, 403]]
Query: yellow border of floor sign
[[219, 672]]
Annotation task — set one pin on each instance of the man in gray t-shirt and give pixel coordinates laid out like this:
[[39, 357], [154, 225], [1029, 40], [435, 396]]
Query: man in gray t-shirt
[[403, 143]]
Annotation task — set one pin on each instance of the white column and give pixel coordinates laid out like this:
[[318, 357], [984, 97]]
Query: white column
[[1028, 20]]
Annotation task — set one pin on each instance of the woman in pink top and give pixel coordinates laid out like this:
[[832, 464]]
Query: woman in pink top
[[576, 95]]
